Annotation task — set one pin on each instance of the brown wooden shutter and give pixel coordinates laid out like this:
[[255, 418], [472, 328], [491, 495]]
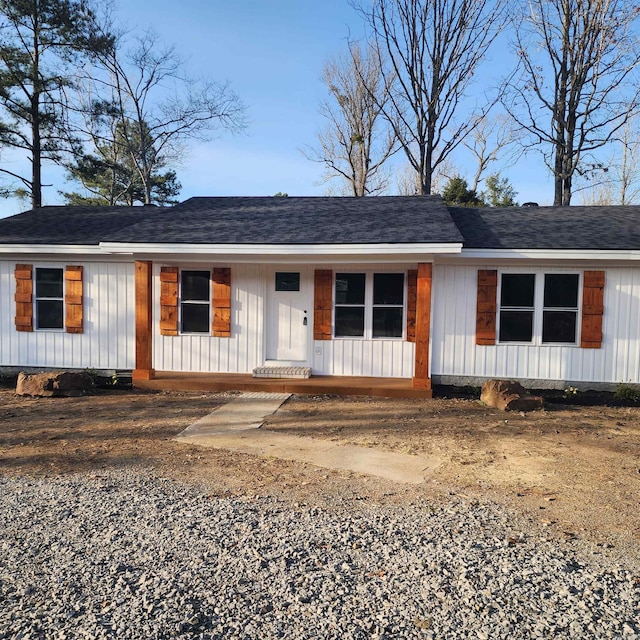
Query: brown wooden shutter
[[169, 301], [486, 307], [412, 297], [24, 297], [592, 309], [73, 321], [221, 289], [322, 302]]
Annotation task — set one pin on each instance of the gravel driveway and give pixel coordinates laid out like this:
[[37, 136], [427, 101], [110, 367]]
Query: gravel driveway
[[125, 554]]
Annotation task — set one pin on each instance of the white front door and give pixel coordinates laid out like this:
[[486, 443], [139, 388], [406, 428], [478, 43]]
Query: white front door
[[289, 315]]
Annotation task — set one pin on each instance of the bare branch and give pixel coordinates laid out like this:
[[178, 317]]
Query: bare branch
[[575, 85]]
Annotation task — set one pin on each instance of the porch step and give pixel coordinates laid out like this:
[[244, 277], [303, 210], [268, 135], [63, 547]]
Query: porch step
[[282, 372]]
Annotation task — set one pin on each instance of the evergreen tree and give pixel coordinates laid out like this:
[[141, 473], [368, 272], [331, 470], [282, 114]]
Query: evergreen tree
[[111, 175], [499, 192], [457, 193], [41, 43]]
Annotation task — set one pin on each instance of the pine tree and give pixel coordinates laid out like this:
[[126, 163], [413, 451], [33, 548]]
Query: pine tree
[[41, 42]]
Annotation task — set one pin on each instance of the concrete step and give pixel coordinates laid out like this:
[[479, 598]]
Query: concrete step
[[282, 372]]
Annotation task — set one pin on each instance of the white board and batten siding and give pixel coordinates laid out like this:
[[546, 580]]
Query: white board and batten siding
[[455, 353], [240, 353], [383, 358], [246, 348], [108, 339], [379, 358]]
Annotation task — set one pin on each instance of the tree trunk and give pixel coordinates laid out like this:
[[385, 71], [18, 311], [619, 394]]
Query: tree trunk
[[36, 153]]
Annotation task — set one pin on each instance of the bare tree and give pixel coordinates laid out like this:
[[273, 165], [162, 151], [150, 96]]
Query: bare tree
[[618, 181], [356, 142], [573, 90], [434, 49], [489, 137], [408, 181], [154, 109]]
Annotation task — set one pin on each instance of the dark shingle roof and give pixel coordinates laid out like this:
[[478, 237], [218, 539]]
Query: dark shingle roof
[[69, 225], [298, 220], [590, 228], [234, 220], [316, 220]]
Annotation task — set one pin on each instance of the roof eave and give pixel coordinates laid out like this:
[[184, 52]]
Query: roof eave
[[67, 249], [551, 254], [271, 250]]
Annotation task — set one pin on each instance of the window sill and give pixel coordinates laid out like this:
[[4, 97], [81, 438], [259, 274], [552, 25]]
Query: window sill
[[538, 344]]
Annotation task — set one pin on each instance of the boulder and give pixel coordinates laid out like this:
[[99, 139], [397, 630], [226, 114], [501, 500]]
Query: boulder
[[509, 396], [54, 383]]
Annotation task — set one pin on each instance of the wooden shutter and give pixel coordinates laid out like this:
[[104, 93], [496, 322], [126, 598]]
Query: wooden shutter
[[322, 302], [169, 301], [221, 289], [24, 297], [486, 309], [592, 309], [73, 322], [412, 297]]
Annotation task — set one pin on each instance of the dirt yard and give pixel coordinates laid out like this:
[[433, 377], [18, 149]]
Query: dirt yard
[[575, 469]]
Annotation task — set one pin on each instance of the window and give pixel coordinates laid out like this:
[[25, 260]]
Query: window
[[369, 305], [49, 298], [287, 281], [560, 312], [517, 307], [539, 309], [195, 301], [388, 305]]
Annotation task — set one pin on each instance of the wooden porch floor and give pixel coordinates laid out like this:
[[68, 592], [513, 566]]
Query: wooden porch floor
[[337, 385]]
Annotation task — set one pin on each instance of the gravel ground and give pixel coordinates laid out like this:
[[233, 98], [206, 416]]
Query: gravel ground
[[129, 555]]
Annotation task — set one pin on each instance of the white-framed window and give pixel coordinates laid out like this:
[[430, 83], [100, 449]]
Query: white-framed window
[[195, 301], [539, 308], [49, 298], [369, 305]]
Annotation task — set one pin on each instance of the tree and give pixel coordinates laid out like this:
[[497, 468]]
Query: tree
[[156, 111], [356, 143], [573, 90], [499, 192], [434, 49], [618, 180], [488, 138], [456, 193], [41, 41], [111, 177]]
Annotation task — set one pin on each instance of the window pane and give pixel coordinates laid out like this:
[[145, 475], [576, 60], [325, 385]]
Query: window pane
[[195, 318], [195, 285], [388, 288], [561, 290], [516, 326], [349, 321], [387, 322], [559, 326], [350, 288], [49, 314], [517, 289], [49, 283], [287, 281]]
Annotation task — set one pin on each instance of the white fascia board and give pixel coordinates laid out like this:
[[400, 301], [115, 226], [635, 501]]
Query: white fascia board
[[52, 249], [257, 251], [550, 254]]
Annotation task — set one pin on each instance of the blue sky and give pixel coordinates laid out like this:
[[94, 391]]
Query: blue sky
[[272, 53]]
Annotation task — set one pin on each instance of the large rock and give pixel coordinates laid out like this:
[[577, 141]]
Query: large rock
[[54, 383], [510, 396]]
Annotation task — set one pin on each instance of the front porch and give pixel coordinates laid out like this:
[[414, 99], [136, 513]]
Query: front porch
[[336, 385]]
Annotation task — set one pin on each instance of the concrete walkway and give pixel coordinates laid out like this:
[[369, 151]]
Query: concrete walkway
[[236, 427]]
